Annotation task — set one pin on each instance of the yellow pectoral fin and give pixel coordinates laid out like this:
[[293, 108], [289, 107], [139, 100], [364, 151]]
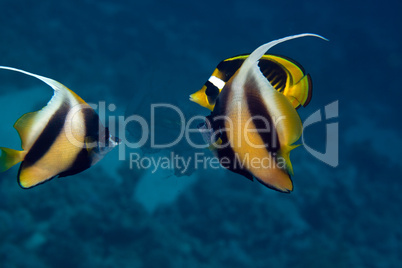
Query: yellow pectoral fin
[[9, 158]]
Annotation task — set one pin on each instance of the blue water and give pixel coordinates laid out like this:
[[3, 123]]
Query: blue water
[[133, 54]]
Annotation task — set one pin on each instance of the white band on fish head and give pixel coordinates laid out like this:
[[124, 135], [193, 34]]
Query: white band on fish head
[[217, 82]]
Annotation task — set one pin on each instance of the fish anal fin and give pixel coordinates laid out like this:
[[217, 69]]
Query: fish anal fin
[[9, 158], [284, 154], [279, 181], [30, 176]]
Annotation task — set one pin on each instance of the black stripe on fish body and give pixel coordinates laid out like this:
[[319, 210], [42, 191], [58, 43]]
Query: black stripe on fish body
[[92, 123], [82, 162], [94, 130], [262, 120], [48, 136], [225, 152], [228, 160], [106, 135]]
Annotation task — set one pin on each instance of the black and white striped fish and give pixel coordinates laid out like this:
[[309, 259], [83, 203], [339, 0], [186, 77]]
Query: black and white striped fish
[[253, 126], [64, 138]]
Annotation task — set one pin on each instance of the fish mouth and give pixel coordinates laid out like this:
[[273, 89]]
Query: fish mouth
[[191, 98]]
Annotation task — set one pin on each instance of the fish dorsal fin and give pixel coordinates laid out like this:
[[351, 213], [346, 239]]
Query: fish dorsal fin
[[30, 125], [298, 88], [260, 51], [57, 86], [285, 118], [24, 126]]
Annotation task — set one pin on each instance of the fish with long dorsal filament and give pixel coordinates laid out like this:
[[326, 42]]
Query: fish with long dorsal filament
[[64, 138], [253, 126]]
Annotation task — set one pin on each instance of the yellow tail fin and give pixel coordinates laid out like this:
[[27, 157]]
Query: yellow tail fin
[[10, 157]]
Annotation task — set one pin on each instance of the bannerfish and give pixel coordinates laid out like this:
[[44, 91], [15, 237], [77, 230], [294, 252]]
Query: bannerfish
[[253, 127], [285, 75], [62, 139]]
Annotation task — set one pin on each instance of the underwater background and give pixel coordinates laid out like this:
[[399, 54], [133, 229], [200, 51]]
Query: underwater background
[[134, 53]]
